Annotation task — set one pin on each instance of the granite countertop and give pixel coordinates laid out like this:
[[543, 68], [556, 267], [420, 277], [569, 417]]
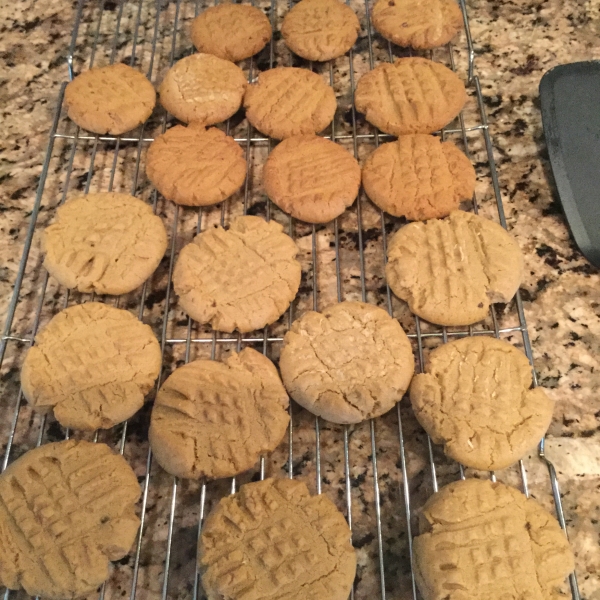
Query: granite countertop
[[515, 42]]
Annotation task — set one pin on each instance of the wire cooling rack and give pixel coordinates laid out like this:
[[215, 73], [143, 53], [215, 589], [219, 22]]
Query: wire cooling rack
[[378, 472]]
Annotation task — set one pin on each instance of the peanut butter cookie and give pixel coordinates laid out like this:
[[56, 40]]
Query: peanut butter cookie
[[214, 419], [451, 270], [480, 539], [349, 363], [288, 101], [106, 243], [112, 99], [92, 365], [418, 177], [320, 29], [311, 178], [422, 24], [273, 540], [495, 418], [202, 88], [412, 95], [242, 278], [231, 31], [195, 166], [66, 510]]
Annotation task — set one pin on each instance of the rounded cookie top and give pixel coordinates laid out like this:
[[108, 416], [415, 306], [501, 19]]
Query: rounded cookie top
[[320, 29], [288, 101], [214, 419], [241, 278], [106, 243], [418, 177], [451, 270], [489, 540], [412, 95], [203, 88], [195, 166], [274, 540], [92, 365], [112, 99], [422, 24], [349, 363], [496, 418], [231, 31], [311, 178], [66, 510]]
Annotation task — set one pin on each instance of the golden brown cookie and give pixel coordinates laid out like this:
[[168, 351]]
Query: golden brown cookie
[[112, 99], [349, 363], [422, 24], [320, 29], [288, 101], [495, 418], [106, 243], [213, 419], [412, 95], [311, 178], [202, 88], [418, 177], [273, 540], [195, 166], [92, 365], [480, 539], [241, 278], [451, 270], [66, 510], [231, 31]]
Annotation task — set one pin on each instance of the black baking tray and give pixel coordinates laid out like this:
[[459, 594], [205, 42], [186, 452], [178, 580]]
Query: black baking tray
[[570, 101]]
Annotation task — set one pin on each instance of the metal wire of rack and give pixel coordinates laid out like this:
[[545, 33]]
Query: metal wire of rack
[[377, 471]]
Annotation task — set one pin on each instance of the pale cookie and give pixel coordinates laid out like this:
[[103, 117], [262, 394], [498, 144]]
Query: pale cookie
[[112, 99], [92, 365], [418, 177], [66, 510], [195, 166], [412, 95], [105, 243], [451, 270], [288, 101], [213, 419], [242, 278], [274, 540], [480, 539], [421, 24], [320, 29], [203, 88], [311, 178], [475, 399], [231, 31], [349, 363]]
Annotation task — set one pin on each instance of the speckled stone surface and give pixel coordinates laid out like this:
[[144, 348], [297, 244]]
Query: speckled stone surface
[[515, 43]]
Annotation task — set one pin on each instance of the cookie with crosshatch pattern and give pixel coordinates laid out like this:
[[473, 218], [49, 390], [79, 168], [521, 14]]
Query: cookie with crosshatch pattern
[[450, 270], [479, 539], [231, 31], [311, 178], [112, 99], [288, 101], [496, 417], [320, 29], [195, 166], [91, 365], [421, 24], [411, 95], [215, 419], [66, 510], [274, 540]]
